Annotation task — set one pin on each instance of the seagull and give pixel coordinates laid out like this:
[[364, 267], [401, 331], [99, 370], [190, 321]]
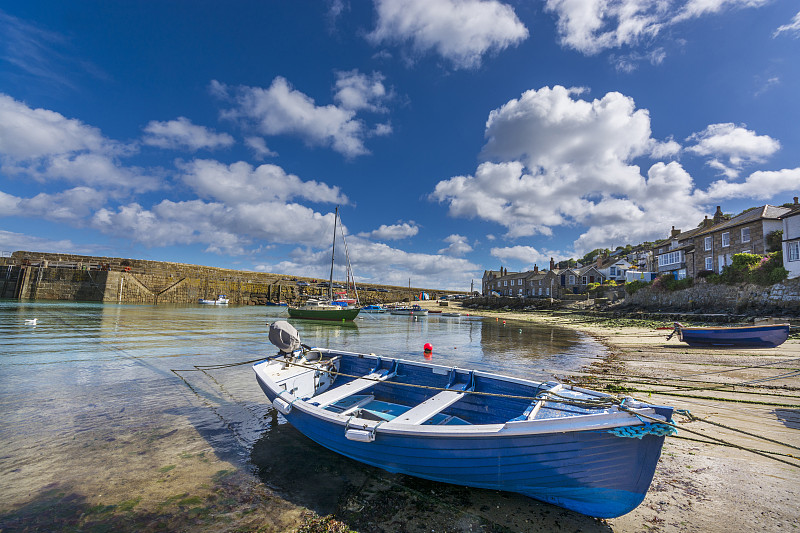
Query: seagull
[[30, 322]]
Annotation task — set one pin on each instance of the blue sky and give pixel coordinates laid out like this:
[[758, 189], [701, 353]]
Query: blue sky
[[455, 136]]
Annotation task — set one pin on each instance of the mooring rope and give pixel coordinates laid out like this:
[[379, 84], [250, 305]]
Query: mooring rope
[[606, 401], [718, 441], [555, 397]]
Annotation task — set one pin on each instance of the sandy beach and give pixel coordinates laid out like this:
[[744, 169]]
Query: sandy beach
[[702, 486]]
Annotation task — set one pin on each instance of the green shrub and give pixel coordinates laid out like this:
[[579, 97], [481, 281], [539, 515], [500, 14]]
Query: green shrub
[[633, 286], [668, 283], [754, 268]]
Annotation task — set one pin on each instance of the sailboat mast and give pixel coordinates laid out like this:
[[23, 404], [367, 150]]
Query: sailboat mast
[[333, 253]]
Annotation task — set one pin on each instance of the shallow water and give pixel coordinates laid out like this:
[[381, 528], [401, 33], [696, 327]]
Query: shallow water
[[89, 390]]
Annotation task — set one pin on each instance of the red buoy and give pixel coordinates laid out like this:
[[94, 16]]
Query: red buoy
[[428, 347]]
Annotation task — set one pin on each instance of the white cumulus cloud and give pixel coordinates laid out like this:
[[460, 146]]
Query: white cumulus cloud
[[181, 133], [401, 230], [730, 147], [45, 145], [461, 31], [358, 91], [560, 160], [591, 26], [281, 109], [458, 245], [241, 183]]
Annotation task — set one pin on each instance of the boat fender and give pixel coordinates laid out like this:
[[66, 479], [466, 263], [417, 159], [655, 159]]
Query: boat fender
[[282, 405], [631, 403], [360, 435]]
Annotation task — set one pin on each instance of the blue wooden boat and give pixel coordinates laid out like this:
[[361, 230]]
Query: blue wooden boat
[[766, 336], [586, 451]]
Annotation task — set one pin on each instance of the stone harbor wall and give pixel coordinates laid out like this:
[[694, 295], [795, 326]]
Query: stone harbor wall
[[37, 275], [703, 297]]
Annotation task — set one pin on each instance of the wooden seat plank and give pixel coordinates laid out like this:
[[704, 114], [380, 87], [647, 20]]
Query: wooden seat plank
[[429, 408], [348, 389]]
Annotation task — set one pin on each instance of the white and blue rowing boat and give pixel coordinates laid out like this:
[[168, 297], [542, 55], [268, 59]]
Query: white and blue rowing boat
[[582, 450]]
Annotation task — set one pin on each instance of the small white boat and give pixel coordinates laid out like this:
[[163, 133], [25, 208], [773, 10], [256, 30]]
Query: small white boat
[[451, 314], [221, 300]]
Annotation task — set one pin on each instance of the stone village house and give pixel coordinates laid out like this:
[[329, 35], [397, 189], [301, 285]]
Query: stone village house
[[713, 245]]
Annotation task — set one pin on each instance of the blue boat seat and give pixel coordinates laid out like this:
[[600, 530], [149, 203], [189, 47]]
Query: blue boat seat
[[353, 387], [366, 406], [430, 407]]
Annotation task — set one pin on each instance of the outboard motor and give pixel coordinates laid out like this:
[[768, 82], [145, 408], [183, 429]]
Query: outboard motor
[[284, 336]]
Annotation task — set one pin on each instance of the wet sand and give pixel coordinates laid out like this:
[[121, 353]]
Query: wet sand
[[700, 486], [171, 479]]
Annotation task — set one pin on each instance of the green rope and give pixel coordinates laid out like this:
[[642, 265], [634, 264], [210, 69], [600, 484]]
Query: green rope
[[716, 440]]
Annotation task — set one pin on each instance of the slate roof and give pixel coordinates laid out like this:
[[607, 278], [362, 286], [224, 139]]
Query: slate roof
[[792, 212], [769, 212]]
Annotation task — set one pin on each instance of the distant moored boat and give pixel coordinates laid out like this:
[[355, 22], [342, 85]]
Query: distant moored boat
[[767, 336]]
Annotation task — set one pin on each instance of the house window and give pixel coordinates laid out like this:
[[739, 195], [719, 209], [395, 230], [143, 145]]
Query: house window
[[612, 271], [505, 283], [547, 291], [793, 251], [672, 258], [707, 241], [572, 280], [745, 234], [726, 239], [583, 280], [709, 263]]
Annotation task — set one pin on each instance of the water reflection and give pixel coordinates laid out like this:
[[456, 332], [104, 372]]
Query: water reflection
[[91, 373]]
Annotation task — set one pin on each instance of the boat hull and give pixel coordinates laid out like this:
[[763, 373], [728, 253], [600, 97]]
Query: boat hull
[[334, 315], [575, 464], [768, 336], [590, 472]]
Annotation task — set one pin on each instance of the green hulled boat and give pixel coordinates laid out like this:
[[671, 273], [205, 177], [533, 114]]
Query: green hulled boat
[[317, 309], [322, 310]]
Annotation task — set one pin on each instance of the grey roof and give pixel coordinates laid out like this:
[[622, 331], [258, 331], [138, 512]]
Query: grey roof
[[769, 212], [793, 211]]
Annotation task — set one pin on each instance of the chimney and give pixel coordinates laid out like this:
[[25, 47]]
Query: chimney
[[795, 200], [552, 264], [535, 269], [718, 217], [674, 233], [599, 261], [707, 222]]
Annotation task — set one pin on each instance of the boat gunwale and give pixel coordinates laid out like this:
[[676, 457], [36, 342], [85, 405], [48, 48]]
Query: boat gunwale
[[511, 428], [728, 328]]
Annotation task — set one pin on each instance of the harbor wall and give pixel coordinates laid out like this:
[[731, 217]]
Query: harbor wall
[[37, 275], [703, 297]]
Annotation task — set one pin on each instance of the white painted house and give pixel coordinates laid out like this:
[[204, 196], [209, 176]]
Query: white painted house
[[791, 240]]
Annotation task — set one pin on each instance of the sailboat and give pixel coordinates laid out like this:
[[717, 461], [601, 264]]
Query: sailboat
[[321, 309]]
